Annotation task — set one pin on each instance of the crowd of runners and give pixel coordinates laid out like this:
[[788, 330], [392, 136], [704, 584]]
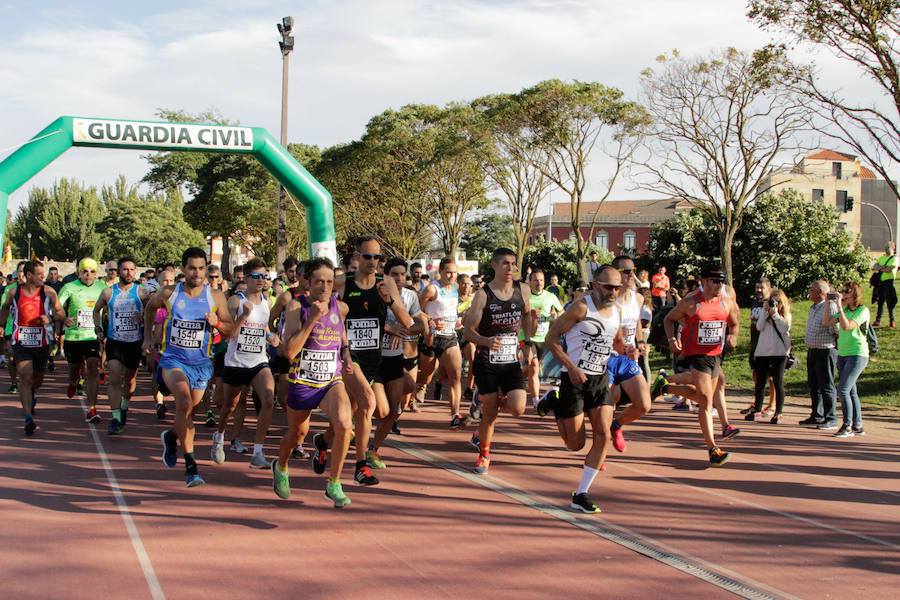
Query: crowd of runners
[[360, 342]]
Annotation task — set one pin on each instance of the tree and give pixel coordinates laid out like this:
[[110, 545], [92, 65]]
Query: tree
[[866, 34], [568, 121], [788, 239], [561, 259], [62, 220], [149, 228], [510, 160], [719, 126], [485, 234]]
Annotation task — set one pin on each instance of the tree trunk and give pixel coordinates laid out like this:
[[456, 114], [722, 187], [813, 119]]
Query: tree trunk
[[726, 239], [226, 256]]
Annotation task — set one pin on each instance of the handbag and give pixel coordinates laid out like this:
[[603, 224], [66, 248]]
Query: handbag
[[792, 360]]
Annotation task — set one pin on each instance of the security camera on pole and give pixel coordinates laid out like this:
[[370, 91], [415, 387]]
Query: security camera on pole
[[286, 44]]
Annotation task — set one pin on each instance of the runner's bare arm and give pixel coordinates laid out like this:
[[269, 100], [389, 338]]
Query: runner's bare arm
[[683, 309], [221, 319], [280, 305], [4, 312], [102, 302], [157, 301], [296, 332], [570, 317], [473, 318], [531, 321], [345, 349], [55, 304], [387, 287], [734, 323]]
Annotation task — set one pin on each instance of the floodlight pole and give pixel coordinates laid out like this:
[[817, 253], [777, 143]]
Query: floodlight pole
[[286, 44], [886, 220]]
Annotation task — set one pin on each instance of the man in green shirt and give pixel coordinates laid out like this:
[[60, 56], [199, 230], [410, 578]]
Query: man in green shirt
[[545, 306], [555, 289], [82, 346], [886, 293]]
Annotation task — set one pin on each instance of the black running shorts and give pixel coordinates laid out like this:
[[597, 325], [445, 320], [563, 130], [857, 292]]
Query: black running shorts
[[579, 399]]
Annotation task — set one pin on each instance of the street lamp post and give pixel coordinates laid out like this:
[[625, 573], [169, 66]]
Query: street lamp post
[[29, 247], [286, 44]]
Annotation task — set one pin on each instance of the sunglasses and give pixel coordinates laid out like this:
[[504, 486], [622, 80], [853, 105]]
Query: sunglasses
[[86, 271], [581, 289], [846, 291], [626, 271], [112, 270], [717, 280], [370, 256], [610, 286], [258, 275]]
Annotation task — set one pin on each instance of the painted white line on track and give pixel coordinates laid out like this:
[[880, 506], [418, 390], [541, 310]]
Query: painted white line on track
[[711, 573], [143, 558]]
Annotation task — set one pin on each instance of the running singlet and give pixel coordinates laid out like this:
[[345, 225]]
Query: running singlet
[[544, 303], [81, 299], [365, 319], [503, 319], [10, 289], [704, 332], [444, 307], [589, 342], [124, 310], [411, 302], [187, 335], [29, 330], [247, 347], [631, 317], [318, 363]]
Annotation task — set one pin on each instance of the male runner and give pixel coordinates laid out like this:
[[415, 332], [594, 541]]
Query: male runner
[[82, 347], [492, 323], [185, 365], [247, 361], [592, 329], [29, 306], [123, 305], [440, 346], [7, 292], [367, 297], [315, 343], [547, 307], [398, 383], [112, 273], [711, 323]]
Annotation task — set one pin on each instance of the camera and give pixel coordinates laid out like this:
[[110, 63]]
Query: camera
[[773, 302], [832, 295]]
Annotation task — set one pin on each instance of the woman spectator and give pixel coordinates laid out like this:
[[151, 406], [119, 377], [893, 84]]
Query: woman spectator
[[771, 354], [643, 279], [853, 352]]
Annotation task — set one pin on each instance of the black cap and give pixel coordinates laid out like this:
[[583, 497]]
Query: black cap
[[712, 270]]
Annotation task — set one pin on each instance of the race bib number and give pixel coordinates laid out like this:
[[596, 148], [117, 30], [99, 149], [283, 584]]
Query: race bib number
[[629, 332], [251, 340], [449, 326], [362, 334], [543, 326], [30, 337], [711, 333], [126, 326], [187, 334], [85, 319], [508, 352], [594, 356], [315, 367]]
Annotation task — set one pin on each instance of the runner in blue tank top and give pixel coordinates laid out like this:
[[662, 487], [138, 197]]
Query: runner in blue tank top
[[123, 302], [185, 365]]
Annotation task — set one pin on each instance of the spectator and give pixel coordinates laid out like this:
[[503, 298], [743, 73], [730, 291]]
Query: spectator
[[214, 277], [660, 284], [350, 262], [415, 272], [592, 265], [821, 360], [556, 289], [578, 292], [643, 279], [53, 279], [757, 310], [885, 291], [772, 349], [852, 352]]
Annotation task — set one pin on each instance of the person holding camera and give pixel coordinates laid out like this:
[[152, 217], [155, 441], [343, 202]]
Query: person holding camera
[[770, 356], [852, 350]]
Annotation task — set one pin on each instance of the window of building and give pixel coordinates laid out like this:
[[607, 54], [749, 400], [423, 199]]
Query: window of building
[[629, 240], [602, 240], [836, 169], [818, 195], [840, 198]]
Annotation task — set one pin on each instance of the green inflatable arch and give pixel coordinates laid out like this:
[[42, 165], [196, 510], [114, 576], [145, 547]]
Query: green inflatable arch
[[64, 132]]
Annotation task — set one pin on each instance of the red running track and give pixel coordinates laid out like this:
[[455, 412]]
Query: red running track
[[795, 514]]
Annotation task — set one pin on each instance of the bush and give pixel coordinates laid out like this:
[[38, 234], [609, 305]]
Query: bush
[[559, 258]]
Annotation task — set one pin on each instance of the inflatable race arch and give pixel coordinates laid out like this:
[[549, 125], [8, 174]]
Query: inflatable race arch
[[65, 132]]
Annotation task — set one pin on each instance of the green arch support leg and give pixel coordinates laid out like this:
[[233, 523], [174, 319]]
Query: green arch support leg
[[66, 132]]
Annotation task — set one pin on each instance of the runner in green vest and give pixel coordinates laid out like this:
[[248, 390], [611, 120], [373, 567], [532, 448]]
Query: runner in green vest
[[545, 306]]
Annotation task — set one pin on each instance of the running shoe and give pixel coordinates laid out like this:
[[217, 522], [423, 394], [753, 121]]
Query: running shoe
[[13, 388], [876, 324], [320, 456], [681, 406], [776, 419], [395, 429], [237, 446], [827, 426], [193, 480], [258, 461], [718, 457], [218, 452], [753, 416], [92, 416], [660, 385], [475, 442], [280, 482], [467, 395], [373, 460], [844, 431], [547, 402], [730, 432], [79, 391], [335, 493], [210, 418], [170, 445], [70, 390], [483, 464], [458, 422], [475, 406], [161, 411], [299, 452], [30, 426], [858, 430], [748, 410], [364, 476], [618, 440], [583, 503], [768, 413], [115, 427], [438, 390], [809, 421]]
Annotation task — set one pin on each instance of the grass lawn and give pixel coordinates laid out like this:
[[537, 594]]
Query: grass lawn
[[879, 383]]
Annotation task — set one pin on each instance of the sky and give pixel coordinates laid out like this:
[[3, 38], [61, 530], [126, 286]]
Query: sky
[[352, 60]]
